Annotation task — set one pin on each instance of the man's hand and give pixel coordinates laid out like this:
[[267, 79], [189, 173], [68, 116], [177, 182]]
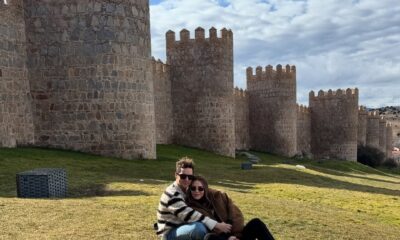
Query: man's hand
[[222, 228]]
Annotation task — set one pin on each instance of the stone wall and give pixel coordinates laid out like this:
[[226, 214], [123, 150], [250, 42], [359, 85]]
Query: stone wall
[[334, 124], [163, 103], [395, 123], [362, 126], [202, 83], [16, 125], [303, 130], [242, 119], [272, 109], [90, 74], [77, 74], [373, 130], [389, 140], [382, 135]]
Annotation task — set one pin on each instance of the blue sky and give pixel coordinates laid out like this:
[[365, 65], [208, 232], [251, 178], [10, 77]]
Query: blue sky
[[334, 44]]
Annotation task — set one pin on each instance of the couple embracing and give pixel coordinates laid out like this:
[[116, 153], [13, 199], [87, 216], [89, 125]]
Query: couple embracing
[[189, 210]]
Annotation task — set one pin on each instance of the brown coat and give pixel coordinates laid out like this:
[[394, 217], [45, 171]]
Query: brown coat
[[223, 207]]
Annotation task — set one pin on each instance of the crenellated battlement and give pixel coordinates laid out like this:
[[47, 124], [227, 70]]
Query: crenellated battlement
[[362, 110], [4, 3], [15, 7], [159, 66], [339, 93], [15, 4], [382, 120], [269, 73], [302, 109], [373, 115], [226, 36], [239, 92]]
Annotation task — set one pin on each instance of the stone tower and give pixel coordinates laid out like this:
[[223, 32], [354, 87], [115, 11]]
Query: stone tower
[[16, 124], [90, 74], [202, 83], [373, 130], [362, 126], [273, 109], [334, 124]]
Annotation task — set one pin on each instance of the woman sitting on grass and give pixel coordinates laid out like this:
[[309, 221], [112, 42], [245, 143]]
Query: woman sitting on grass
[[218, 206]]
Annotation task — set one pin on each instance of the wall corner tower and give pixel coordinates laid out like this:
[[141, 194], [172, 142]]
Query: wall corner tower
[[334, 124], [273, 109], [202, 83], [16, 124], [90, 73]]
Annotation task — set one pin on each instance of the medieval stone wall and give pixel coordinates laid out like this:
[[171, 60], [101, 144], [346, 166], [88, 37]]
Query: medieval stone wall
[[242, 136], [163, 103], [90, 74], [382, 135], [16, 125], [395, 124], [303, 130], [334, 124], [362, 126], [272, 108], [389, 140], [202, 83], [373, 130], [78, 74]]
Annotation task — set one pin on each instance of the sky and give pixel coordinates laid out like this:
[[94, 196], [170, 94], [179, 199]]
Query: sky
[[333, 44]]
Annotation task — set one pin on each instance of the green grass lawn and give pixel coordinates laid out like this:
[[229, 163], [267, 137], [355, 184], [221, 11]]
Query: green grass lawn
[[117, 199]]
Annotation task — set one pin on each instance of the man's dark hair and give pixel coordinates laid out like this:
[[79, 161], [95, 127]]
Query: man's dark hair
[[184, 162]]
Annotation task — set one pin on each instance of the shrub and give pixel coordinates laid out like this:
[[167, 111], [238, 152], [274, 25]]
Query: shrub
[[391, 163], [370, 156]]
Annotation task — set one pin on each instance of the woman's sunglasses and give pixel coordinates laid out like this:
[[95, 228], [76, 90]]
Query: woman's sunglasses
[[194, 188], [184, 176]]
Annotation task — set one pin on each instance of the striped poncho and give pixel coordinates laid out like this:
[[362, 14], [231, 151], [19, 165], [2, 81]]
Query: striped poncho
[[172, 211]]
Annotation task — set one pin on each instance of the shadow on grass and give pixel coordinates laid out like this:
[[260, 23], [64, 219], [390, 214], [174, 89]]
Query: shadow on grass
[[98, 190], [101, 190], [292, 176], [85, 169], [343, 174]]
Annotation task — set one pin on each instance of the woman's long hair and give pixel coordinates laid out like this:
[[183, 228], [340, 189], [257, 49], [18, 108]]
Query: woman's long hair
[[205, 201]]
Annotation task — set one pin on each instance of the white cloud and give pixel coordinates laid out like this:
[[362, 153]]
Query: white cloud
[[334, 44]]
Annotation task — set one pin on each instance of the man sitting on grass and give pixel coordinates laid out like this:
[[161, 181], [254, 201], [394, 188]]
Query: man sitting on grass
[[175, 220]]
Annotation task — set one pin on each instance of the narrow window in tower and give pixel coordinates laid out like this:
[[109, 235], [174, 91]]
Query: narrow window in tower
[[1, 73]]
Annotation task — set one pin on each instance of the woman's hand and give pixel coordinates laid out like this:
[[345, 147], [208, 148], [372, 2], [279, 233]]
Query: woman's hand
[[223, 228], [233, 238]]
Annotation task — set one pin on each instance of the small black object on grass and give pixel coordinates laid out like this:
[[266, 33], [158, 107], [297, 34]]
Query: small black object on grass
[[246, 165], [42, 183]]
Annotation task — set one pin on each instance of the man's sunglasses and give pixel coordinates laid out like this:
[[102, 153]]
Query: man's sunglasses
[[194, 188], [184, 176]]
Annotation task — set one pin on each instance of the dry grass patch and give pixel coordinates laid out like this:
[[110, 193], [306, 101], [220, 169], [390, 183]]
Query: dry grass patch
[[116, 199]]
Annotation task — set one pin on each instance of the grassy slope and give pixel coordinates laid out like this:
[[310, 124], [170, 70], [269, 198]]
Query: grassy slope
[[116, 199]]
